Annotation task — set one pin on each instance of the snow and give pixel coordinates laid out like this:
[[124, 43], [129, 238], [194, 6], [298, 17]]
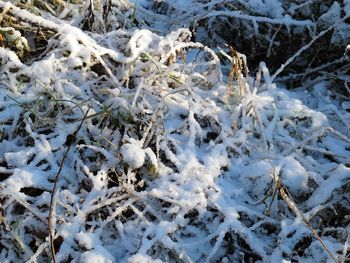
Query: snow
[[84, 240], [336, 178], [165, 167], [133, 154], [25, 15], [286, 20], [255, 179], [95, 257], [294, 176], [138, 258], [347, 6]]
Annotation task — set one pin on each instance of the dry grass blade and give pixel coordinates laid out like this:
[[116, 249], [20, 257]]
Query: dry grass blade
[[237, 66], [291, 204], [70, 140]]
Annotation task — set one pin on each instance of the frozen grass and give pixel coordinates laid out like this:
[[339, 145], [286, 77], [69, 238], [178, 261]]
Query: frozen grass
[[171, 163]]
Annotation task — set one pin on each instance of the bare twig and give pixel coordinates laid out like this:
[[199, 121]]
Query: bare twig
[[28, 17]]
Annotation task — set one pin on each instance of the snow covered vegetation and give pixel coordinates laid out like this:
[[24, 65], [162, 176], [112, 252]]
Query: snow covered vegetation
[[174, 131]]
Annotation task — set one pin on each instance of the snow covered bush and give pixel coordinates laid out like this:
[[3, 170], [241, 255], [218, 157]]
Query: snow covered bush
[[123, 140], [270, 31]]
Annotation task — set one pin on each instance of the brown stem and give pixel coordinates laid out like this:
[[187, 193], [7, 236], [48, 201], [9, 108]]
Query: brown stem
[[54, 190]]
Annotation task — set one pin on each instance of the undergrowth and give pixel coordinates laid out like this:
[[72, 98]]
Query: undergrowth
[[162, 149]]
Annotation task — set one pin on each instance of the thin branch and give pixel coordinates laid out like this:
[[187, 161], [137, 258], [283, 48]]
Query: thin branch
[[307, 46], [260, 19], [28, 17]]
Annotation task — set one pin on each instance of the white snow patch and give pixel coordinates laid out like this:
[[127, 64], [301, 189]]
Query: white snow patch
[[84, 240], [138, 258], [294, 176], [95, 256], [257, 178], [133, 154]]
